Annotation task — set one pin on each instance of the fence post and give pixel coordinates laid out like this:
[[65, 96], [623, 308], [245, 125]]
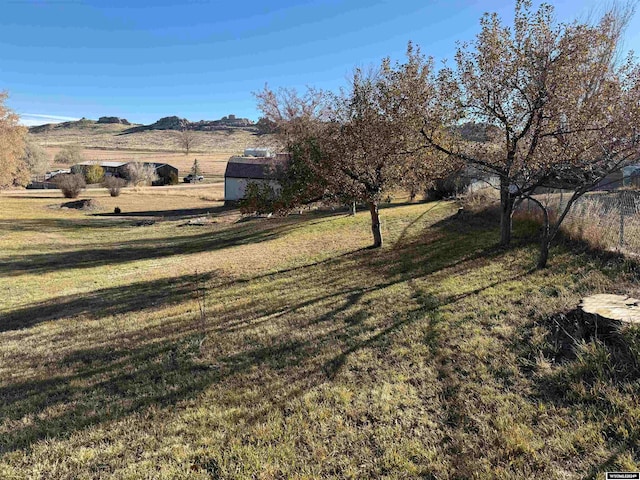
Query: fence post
[[621, 209]]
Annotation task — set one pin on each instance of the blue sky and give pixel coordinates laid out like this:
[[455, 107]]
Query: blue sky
[[199, 59]]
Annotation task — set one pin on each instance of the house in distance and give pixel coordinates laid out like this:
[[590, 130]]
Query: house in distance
[[164, 171], [256, 165]]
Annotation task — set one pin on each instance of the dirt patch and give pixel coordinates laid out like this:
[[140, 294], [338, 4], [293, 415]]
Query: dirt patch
[[84, 204]]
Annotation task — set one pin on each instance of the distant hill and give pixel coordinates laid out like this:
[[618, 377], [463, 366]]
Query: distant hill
[[165, 123], [177, 123], [82, 123], [113, 139], [478, 132]]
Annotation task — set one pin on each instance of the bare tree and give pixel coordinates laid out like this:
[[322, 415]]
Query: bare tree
[[299, 123], [188, 140]]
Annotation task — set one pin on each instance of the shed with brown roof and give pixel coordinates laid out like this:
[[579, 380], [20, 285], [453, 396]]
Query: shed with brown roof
[[242, 170]]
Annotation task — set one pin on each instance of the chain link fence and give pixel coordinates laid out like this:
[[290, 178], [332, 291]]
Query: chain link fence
[[605, 220]]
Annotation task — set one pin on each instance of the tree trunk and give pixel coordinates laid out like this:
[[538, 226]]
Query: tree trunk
[[545, 240], [543, 255], [506, 212], [353, 208], [375, 225]]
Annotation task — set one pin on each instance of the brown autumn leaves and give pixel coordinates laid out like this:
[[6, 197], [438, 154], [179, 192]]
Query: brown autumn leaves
[[13, 170], [558, 104]]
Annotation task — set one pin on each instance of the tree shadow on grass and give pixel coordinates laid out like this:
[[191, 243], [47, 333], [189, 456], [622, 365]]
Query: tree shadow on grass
[[59, 224], [110, 383], [411, 259], [105, 302], [156, 294], [38, 197], [117, 383], [428, 305], [143, 249], [180, 212], [444, 245], [113, 253], [274, 347]]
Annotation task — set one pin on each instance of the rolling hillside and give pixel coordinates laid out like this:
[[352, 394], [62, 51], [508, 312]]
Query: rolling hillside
[[111, 142]]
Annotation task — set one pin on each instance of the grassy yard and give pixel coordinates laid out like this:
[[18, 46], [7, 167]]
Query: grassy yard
[[439, 356]]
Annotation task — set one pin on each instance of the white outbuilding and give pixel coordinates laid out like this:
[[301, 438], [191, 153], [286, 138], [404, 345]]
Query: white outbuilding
[[244, 169]]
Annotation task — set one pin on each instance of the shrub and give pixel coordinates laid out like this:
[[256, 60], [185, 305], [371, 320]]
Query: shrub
[[173, 179], [94, 173], [71, 184], [114, 185], [260, 198], [140, 174], [69, 155]]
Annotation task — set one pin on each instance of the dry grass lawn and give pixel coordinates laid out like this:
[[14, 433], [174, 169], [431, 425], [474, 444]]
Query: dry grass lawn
[[438, 356]]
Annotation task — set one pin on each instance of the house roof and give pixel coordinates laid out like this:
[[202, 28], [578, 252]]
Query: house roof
[[155, 165], [104, 164], [259, 168]]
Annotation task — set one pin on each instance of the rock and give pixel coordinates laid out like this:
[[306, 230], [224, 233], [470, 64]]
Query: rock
[[613, 307], [122, 121], [170, 123]]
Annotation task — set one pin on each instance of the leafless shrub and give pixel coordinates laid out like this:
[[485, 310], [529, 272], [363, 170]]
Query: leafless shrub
[[71, 184], [114, 185], [139, 173]]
